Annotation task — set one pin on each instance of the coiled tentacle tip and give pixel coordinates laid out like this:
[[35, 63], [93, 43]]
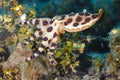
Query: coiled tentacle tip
[[100, 11]]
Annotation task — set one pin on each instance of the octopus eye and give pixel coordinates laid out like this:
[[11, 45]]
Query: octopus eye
[[52, 62]]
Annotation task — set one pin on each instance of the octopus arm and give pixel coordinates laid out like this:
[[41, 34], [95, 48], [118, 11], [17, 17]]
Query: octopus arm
[[79, 21]]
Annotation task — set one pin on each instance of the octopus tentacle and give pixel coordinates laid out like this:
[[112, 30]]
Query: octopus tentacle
[[79, 21]]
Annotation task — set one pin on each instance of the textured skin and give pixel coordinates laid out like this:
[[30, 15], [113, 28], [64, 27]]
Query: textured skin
[[50, 30]]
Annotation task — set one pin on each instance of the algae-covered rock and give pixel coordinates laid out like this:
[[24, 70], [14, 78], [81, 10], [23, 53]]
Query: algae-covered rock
[[4, 53], [114, 37], [4, 34]]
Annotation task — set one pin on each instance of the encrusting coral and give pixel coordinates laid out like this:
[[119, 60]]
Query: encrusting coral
[[114, 44], [114, 56]]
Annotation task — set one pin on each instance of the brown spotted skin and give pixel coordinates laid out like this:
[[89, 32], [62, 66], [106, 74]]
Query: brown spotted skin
[[50, 29], [77, 22]]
